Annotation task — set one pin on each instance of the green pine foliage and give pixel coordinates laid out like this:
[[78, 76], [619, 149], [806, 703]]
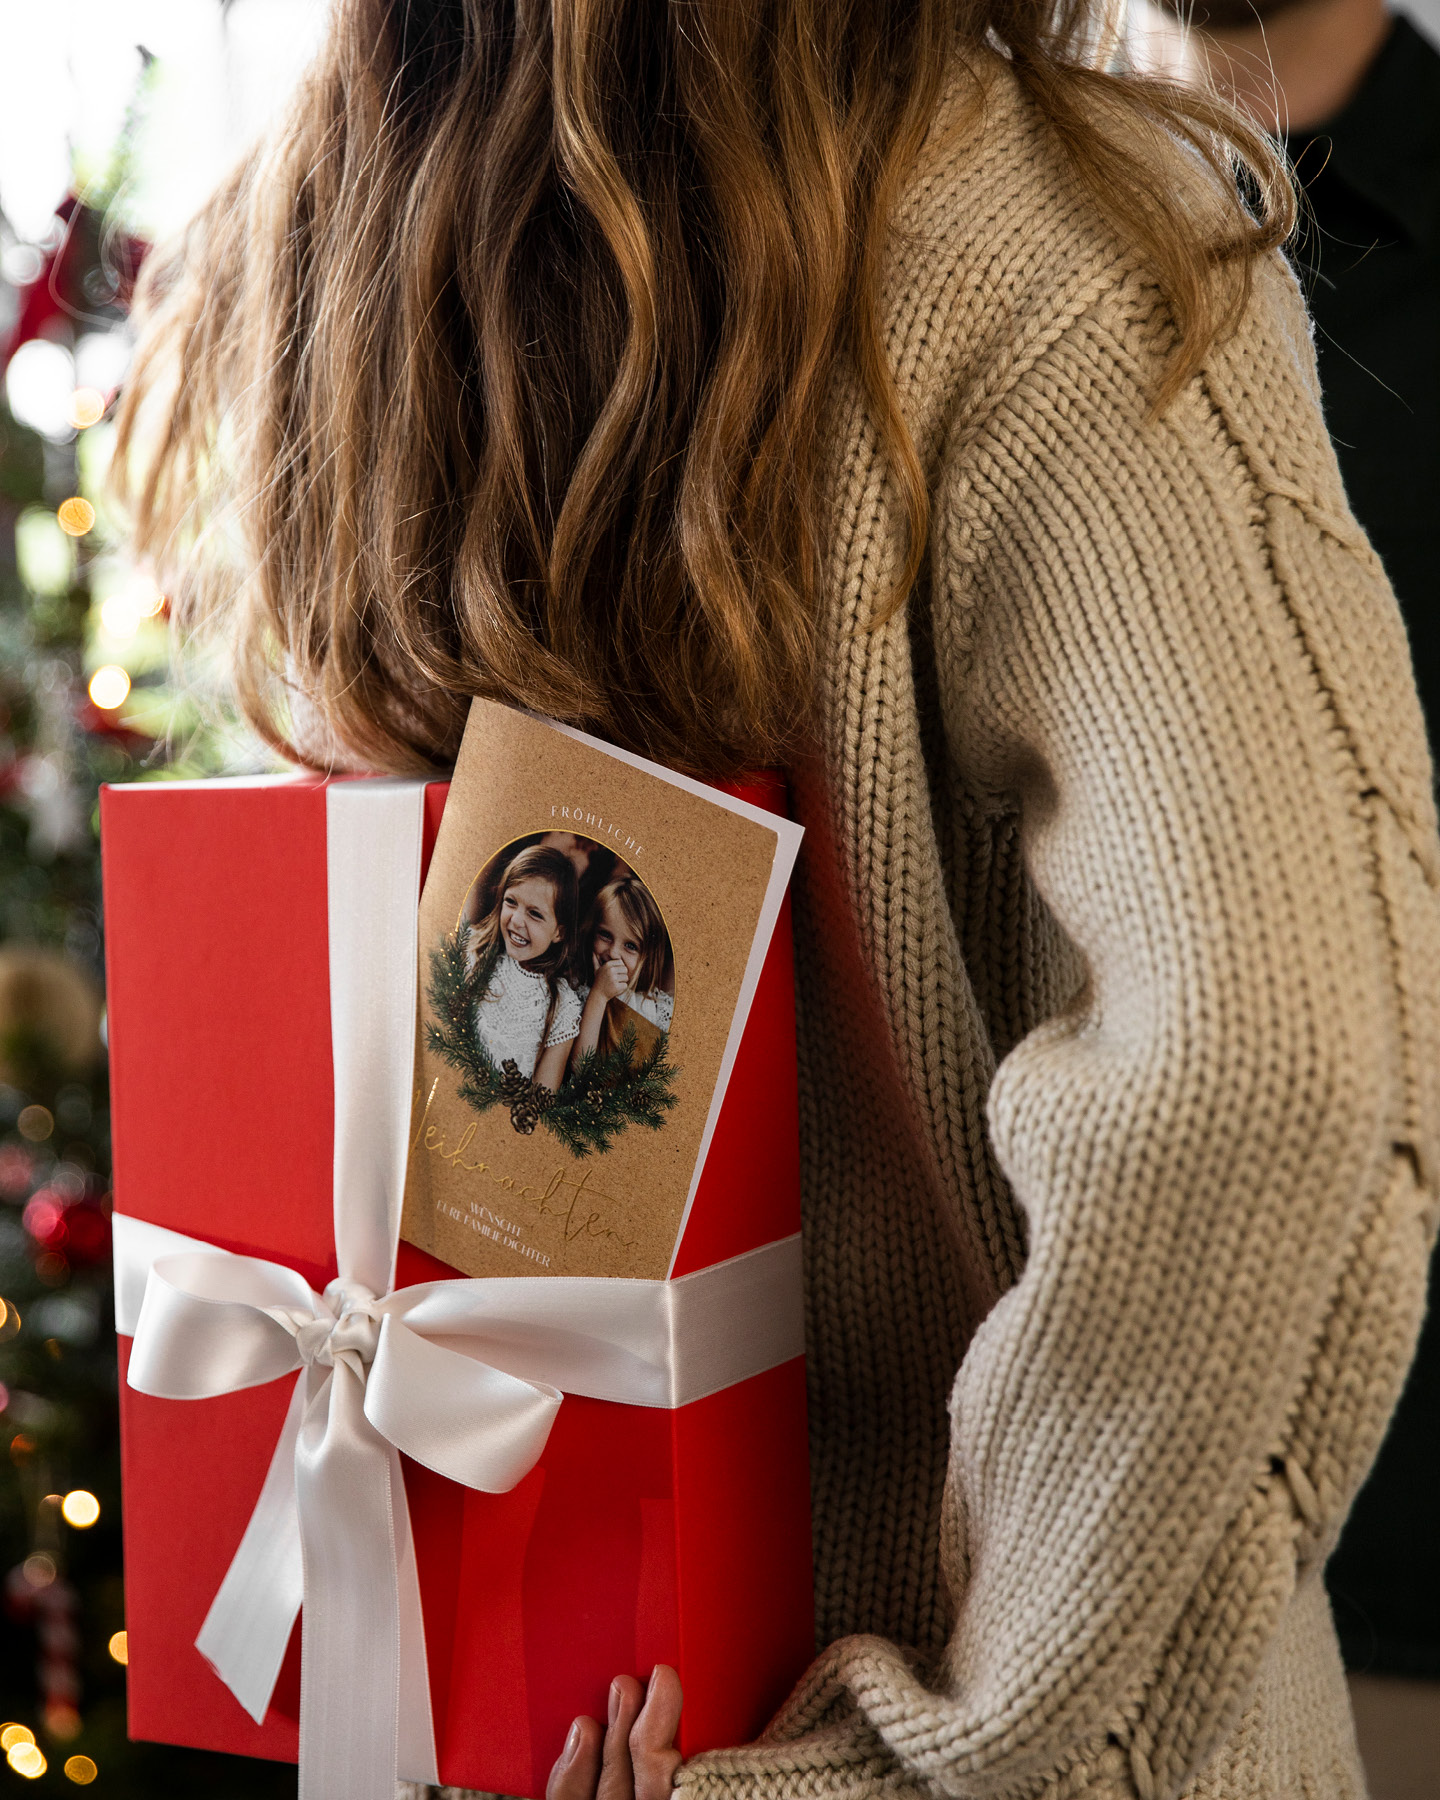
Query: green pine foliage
[[451, 1032], [603, 1096]]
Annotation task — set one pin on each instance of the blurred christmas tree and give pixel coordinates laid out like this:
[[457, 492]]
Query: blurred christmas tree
[[85, 697]]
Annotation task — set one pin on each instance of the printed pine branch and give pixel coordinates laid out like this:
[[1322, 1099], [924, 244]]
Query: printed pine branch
[[605, 1094], [451, 1034], [610, 1091]]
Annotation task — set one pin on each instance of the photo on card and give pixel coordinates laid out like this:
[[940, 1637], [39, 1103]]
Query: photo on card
[[554, 994], [592, 929]]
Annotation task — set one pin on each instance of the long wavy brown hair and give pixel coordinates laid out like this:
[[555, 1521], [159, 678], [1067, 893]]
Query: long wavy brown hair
[[500, 367]]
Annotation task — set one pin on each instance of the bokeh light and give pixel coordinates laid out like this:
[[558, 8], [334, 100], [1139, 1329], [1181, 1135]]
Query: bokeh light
[[39, 381], [80, 1509], [109, 686], [102, 358], [75, 516], [87, 408], [27, 1760], [44, 556], [11, 1735], [81, 1770], [44, 1219], [39, 1569], [122, 612], [21, 264], [119, 1647], [35, 1123], [119, 616], [62, 1721]]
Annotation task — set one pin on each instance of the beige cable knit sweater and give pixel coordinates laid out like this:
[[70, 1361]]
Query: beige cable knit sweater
[[1120, 948], [1120, 977]]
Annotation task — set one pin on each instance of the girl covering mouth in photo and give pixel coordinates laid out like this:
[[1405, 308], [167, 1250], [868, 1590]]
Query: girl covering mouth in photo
[[629, 953]]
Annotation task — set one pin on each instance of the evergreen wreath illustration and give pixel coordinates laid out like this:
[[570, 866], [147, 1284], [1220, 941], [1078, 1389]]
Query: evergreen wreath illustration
[[606, 1092]]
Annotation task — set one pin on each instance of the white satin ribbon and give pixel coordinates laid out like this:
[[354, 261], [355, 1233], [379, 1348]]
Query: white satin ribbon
[[464, 1376]]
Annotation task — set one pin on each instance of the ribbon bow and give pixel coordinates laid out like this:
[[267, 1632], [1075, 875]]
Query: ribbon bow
[[463, 1376]]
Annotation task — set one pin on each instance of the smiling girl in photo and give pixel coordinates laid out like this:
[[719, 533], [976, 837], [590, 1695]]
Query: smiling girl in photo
[[529, 1012]]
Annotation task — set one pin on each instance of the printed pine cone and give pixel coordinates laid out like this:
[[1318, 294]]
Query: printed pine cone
[[525, 1110]]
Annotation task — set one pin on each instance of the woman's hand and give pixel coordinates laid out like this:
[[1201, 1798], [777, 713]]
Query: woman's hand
[[635, 1757]]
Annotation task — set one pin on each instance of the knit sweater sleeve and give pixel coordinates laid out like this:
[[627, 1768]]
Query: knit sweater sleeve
[[1168, 647]]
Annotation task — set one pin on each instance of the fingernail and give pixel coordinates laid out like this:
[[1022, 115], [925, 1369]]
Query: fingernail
[[614, 1701], [572, 1743], [650, 1684]]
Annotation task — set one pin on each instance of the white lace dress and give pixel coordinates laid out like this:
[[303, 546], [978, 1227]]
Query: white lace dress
[[510, 1015], [656, 1006]]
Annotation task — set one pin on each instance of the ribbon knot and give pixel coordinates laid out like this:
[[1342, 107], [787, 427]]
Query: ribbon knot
[[343, 1328]]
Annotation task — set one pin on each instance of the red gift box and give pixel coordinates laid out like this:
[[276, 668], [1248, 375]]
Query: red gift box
[[643, 1535]]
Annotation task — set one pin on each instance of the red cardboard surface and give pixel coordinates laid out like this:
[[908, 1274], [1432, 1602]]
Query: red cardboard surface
[[642, 1535]]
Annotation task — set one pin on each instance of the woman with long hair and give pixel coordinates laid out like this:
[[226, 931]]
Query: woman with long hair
[[902, 395]]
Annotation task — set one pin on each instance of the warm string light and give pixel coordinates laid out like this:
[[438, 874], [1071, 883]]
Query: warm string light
[[75, 516], [109, 686], [87, 408], [66, 551], [119, 1647], [122, 613], [27, 1760], [80, 1509]]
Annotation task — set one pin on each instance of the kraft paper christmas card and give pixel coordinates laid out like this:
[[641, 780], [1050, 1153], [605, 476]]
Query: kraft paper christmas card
[[591, 932]]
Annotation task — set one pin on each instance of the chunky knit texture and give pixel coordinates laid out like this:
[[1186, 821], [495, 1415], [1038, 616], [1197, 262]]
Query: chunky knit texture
[[1120, 950], [1120, 981]]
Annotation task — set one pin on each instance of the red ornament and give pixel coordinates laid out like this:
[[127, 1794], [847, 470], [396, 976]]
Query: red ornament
[[76, 1232], [59, 295], [87, 1233]]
